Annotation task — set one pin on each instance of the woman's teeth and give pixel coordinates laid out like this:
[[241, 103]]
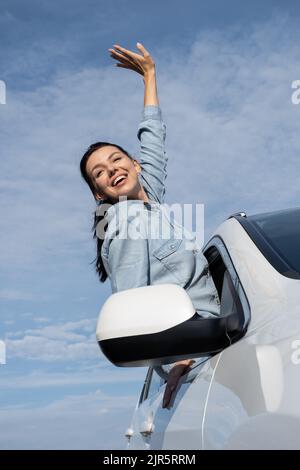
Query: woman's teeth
[[118, 180]]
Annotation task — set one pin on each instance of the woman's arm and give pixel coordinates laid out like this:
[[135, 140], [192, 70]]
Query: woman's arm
[[152, 130], [142, 64], [150, 94], [153, 157]]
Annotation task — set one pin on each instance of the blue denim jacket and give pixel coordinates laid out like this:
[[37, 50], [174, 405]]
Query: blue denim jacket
[[142, 245]]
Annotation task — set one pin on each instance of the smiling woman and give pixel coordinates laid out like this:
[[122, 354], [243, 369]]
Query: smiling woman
[[114, 175], [97, 167], [108, 168]]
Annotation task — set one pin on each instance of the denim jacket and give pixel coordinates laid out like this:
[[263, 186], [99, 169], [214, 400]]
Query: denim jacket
[[142, 245]]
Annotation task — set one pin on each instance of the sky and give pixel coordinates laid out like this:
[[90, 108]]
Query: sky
[[224, 73]]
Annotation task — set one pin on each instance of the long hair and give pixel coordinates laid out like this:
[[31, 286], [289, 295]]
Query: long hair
[[98, 218]]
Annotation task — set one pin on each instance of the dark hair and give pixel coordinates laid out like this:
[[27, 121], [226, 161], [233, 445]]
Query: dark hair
[[99, 266]]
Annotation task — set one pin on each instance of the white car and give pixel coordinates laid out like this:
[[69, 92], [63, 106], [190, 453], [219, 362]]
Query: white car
[[243, 391]]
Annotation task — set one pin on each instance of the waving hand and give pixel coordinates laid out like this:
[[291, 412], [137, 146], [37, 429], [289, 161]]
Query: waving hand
[[141, 63]]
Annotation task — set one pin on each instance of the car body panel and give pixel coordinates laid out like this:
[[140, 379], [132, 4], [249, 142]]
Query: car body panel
[[254, 397], [179, 427], [247, 396]]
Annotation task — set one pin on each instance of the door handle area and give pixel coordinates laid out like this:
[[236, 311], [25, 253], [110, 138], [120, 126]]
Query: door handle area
[[147, 428]]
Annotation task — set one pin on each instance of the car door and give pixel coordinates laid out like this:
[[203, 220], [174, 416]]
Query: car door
[[180, 425], [235, 385], [141, 426]]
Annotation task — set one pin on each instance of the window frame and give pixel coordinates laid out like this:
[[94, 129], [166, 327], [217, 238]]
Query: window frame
[[147, 383], [216, 242]]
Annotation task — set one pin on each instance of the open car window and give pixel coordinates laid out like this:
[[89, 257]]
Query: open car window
[[227, 282], [152, 384]]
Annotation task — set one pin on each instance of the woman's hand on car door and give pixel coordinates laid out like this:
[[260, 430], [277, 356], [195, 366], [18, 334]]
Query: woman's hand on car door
[[178, 369]]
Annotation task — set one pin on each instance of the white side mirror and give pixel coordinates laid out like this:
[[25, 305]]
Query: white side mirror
[[141, 314]]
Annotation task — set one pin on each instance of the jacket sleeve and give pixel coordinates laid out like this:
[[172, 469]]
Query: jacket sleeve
[[153, 158]]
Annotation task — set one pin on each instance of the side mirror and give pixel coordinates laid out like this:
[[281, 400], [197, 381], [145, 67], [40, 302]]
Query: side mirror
[[137, 326], [155, 325]]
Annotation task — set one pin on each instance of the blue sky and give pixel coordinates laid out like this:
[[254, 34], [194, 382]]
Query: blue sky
[[224, 81]]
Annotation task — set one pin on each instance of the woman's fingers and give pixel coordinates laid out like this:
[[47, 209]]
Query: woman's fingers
[[120, 57], [129, 67], [143, 63], [142, 49], [175, 373], [128, 64], [126, 52]]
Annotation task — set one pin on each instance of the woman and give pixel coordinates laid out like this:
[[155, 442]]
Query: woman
[[130, 196]]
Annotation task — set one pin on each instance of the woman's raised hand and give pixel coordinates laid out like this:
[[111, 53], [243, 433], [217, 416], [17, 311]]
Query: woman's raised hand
[[140, 63]]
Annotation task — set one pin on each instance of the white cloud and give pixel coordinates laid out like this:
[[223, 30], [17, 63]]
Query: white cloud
[[70, 341], [233, 121], [91, 421], [44, 349], [15, 294], [97, 373], [41, 319]]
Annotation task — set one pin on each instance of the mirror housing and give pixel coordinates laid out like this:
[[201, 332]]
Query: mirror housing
[[156, 325], [132, 321]]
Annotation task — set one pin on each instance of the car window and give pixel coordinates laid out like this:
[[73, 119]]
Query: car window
[[277, 234], [152, 384], [221, 267], [282, 230]]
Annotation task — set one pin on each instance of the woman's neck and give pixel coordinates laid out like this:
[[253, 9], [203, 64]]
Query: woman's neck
[[142, 195]]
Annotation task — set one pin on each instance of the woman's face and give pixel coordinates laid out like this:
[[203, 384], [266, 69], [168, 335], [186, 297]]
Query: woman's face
[[114, 174]]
